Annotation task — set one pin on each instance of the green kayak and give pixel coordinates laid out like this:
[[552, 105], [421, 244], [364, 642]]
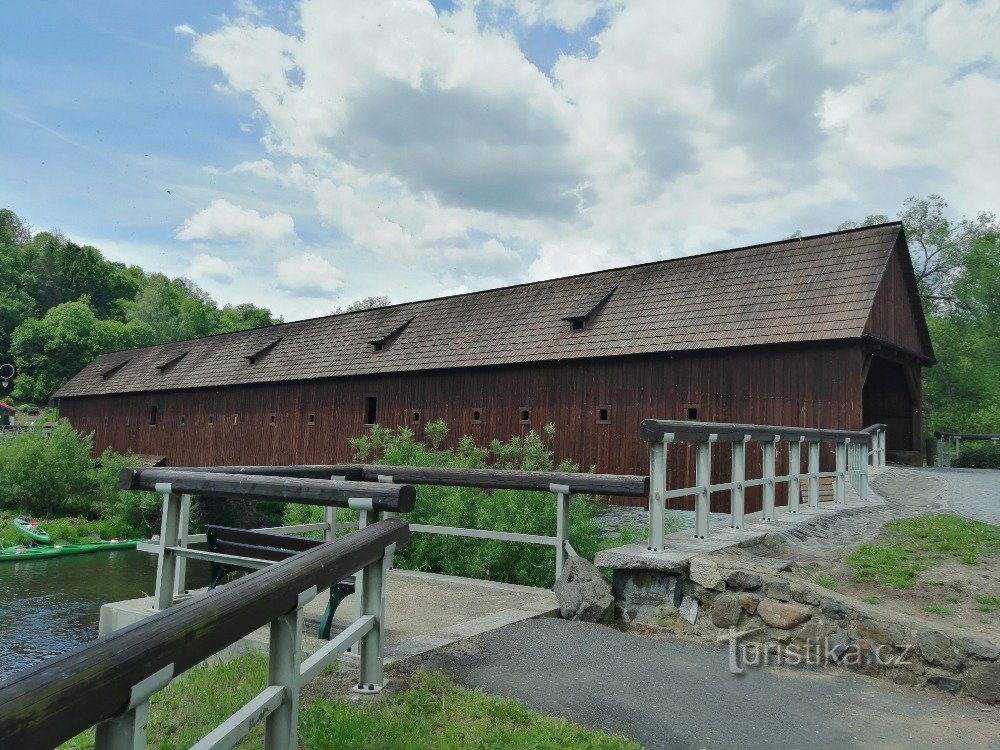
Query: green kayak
[[20, 553], [32, 531]]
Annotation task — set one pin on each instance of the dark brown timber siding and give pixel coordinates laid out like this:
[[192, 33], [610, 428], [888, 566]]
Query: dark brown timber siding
[[813, 385]]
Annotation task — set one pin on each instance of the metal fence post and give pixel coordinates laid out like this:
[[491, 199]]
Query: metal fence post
[[813, 469], [657, 486], [795, 470], [703, 478], [863, 475], [737, 494], [370, 646], [839, 492], [180, 562], [561, 491], [127, 730], [169, 528], [769, 447], [281, 729]]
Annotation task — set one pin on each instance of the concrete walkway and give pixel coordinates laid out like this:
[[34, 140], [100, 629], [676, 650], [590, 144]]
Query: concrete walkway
[[680, 694], [973, 493]]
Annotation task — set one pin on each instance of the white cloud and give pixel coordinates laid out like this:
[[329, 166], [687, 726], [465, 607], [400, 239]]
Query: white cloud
[[222, 221], [185, 30], [308, 274], [428, 142], [204, 266]]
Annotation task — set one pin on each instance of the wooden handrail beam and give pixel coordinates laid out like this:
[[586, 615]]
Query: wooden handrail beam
[[653, 431]]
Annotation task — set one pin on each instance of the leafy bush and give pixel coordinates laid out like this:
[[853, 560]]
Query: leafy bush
[[984, 456], [51, 475], [498, 510]]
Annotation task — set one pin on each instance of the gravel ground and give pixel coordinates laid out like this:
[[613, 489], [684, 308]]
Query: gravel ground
[[973, 493]]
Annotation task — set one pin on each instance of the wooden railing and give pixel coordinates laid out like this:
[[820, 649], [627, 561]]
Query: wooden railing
[[109, 682], [854, 453], [561, 484]]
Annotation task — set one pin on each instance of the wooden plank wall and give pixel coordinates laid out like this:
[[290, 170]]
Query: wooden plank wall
[[809, 385], [892, 317]]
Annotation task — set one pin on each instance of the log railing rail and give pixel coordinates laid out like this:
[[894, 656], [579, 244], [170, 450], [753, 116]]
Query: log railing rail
[[561, 484], [854, 453], [949, 444], [109, 682]]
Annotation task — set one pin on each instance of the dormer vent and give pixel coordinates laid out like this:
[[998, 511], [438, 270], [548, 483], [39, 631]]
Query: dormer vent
[[111, 372], [383, 343], [589, 309], [256, 356], [172, 362]]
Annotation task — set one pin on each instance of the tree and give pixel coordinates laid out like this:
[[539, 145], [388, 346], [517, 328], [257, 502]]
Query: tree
[[158, 305], [245, 316], [13, 231], [367, 303]]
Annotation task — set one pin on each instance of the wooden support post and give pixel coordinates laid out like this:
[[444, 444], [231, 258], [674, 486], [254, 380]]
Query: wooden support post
[[839, 492], [737, 495], [703, 478], [561, 491], [813, 469], [657, 486], [768, 476], [165, 567], [794, 470]]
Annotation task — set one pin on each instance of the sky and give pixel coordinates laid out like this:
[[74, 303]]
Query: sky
[[304, 154]]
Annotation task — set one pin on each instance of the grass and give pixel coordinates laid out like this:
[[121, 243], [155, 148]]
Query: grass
[[937, 609], [432, 713], [870, 599], [988, 604], [64, 530], [827, 583], [915, 544]]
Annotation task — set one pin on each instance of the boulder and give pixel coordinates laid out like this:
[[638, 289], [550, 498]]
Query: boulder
[[779, 589], [749, 603], [689, 609], [935, 648], [743, 580], [705, 571], [726, 611], [983, 681], [804, 595], [978, 647], [880, 633], [583, 593], [782, 615]]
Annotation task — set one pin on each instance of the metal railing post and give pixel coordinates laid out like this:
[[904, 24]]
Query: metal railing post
[[284, 660], [370, 646], [813, 468], [657, 486], [561, 491], [795, 471], [863, 475], [737, 495], [768, 475], [703, 478], [166, 567], [839, 491], [127, 730], [180, 563]]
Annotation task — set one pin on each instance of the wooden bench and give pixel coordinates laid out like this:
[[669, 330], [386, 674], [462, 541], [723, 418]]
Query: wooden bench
[[260, 545]]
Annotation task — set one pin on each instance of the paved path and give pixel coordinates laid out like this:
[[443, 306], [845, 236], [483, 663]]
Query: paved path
[[680, 694], [973, 493]]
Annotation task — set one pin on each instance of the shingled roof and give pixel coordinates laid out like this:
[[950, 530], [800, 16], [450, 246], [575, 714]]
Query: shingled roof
[[799, 290]]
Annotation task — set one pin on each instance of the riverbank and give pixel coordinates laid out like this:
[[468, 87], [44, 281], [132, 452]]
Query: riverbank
[[67, 530], [423, 710]]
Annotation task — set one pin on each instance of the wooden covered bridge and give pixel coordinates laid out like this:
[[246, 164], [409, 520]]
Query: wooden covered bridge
[[823, 331]]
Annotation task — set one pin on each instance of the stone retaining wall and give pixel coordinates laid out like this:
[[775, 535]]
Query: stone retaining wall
[[779, 618]]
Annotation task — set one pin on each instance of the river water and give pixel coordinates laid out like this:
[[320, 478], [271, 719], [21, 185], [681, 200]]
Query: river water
[[48, 607]]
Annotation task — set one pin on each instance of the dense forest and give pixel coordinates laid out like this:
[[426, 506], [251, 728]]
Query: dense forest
[[62, 304]]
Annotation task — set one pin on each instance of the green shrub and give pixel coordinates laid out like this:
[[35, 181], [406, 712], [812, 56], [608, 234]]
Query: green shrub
[[983, 456], [47, 475], [498, 510], [139, 511]]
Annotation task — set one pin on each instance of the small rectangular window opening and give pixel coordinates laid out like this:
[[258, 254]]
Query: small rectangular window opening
[[183, 421], [415, 416], [604, 415], [692, 412], [312, 419], [211, 419], [378, 346], [236, 419], [577, 325], [477, 416], [270, 420], [371, 410], [152, 416], [525, 416]]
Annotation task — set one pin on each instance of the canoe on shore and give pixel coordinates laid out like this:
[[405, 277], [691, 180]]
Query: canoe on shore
[[20, 553], [32, 531]]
